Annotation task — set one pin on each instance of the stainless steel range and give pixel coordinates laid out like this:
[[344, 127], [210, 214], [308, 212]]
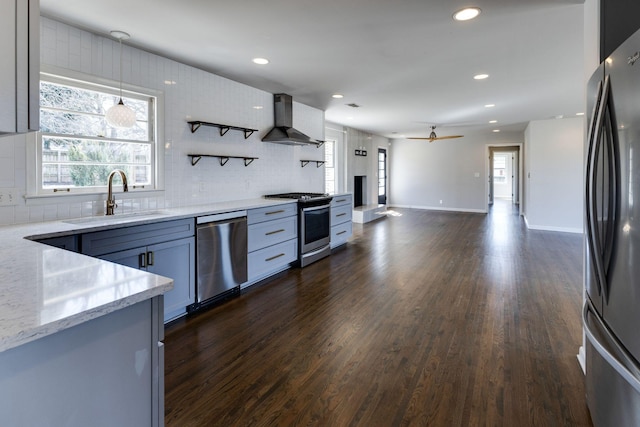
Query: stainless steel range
[[314, 228]]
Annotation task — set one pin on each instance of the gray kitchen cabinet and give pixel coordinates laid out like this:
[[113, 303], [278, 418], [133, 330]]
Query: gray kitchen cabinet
[[108, 371], [164, 248], [20, 65], [272, 240], [341, 219]]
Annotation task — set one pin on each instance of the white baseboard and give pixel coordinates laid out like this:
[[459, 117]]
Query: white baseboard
[[439, 208], [581, 359], [551, 228]]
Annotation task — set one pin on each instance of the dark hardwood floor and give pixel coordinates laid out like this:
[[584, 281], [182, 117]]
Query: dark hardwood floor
[[424, 319]]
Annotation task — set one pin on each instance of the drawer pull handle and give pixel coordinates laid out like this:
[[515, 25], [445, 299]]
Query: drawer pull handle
[[342, 232], [341, 214], [142, 260], [341, 200], [274, 232], [149, 258], [274, 257], [274, 212]]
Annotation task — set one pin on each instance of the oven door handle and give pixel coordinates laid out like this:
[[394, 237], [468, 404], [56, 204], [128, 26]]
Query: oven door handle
[[316, 208]]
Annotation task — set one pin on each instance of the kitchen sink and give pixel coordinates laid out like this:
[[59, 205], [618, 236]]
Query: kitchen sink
[[115, 217]]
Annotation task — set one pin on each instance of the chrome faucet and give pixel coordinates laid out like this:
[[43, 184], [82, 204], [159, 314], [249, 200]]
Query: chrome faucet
[[111, 201]]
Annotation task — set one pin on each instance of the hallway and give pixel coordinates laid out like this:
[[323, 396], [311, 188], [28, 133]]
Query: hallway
[[425, 318]]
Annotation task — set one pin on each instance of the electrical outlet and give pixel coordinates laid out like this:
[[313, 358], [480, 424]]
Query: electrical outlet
[[8, 197]]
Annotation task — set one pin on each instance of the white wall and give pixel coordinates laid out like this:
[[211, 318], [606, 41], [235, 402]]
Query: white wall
[[365, 165], [553, 174], [197, 95], [424, 173]]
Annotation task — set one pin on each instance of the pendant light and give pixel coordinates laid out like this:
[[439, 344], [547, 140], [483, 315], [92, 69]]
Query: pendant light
[[120, 115]]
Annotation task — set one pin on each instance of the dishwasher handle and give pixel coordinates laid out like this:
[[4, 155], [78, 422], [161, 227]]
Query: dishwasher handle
[[220, 217]]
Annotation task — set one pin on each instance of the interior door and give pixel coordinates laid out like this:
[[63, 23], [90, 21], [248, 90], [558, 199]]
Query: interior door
[[490, 177], [514, 184], [382, 176]]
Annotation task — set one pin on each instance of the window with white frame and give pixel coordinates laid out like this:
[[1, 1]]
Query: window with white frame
[[329, 167], [499, 168], [78, 149]]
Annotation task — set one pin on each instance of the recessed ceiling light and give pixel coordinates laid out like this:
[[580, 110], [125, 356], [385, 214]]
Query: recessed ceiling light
[[493, 121], [496, 130], [559, 116], [489, 105], [170, 82], [337, 96], [257, 107], [466, 14], [481, 76], [579, 114], [260, 61]]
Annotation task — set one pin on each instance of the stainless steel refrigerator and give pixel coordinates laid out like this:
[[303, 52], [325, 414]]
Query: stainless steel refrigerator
[[612, 232]]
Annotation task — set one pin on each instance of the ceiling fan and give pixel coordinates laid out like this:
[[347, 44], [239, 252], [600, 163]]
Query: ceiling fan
[[433, 137]]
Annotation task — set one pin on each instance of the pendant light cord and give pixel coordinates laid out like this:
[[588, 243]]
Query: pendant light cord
[[120, 69]]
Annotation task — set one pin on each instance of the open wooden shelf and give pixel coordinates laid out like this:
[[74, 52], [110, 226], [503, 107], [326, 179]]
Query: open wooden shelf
[[195, 158]]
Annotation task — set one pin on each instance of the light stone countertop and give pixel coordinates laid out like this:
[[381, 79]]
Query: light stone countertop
[[44, 290]]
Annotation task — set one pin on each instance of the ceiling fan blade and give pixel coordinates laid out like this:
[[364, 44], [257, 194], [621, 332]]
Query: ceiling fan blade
[[448, 137], [431, 139]]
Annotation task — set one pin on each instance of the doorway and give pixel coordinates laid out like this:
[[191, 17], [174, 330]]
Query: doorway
[[504, 174], [382, 176]]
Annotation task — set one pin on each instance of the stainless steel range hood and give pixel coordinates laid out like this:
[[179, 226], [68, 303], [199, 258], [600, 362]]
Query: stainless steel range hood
[[283, 131]]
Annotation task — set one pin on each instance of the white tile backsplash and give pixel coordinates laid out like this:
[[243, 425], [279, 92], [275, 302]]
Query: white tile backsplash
[[196, 95]]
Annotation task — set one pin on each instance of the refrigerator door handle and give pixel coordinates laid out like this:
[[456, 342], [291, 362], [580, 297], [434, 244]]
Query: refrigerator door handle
[[612, 148], [620, 361], [593, 237], [590, 178]]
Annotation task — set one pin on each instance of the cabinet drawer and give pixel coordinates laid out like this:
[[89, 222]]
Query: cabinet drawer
[[269, 213], [269, 233], [118, 239], [340, 214], [272, 258], [340, 233], [344, 199]]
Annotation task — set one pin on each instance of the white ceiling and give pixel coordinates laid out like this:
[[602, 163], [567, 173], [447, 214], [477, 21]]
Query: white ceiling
[[407, 63]]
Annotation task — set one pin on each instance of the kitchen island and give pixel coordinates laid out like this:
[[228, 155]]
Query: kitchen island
[[81, 338]]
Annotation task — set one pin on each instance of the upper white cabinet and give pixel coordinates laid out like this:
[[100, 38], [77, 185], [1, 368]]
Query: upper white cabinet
[[20, 65]]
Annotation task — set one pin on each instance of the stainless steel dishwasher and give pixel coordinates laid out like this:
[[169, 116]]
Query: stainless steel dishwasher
[[221, 245]]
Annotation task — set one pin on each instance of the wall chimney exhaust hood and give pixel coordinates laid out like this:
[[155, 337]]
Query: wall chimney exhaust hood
[[283, 131]]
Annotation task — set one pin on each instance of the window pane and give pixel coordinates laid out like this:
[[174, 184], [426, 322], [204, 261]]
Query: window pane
[[87, 162], [329, 167], [75, 111], [79, 149]]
